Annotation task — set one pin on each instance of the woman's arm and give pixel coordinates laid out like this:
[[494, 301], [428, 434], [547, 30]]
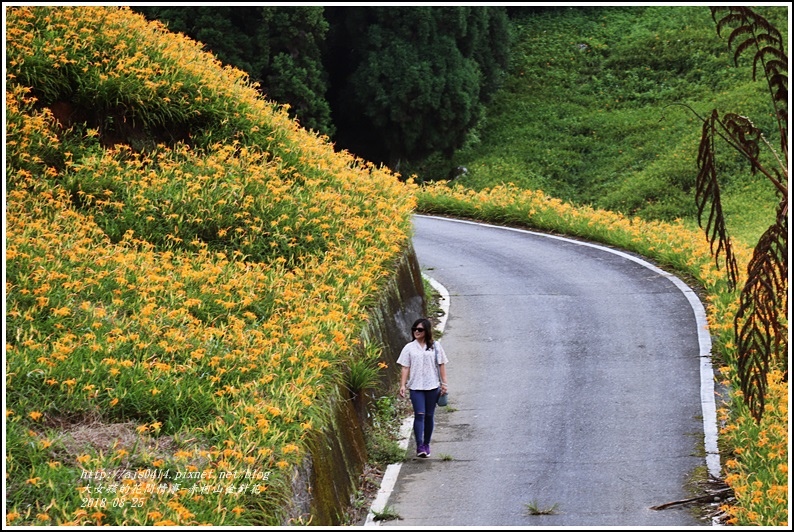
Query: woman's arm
[[403, 379], [442, 370]]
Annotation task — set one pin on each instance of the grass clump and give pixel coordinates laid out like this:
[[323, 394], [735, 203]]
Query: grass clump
[[387, 514], [364, 370], [534, 508]]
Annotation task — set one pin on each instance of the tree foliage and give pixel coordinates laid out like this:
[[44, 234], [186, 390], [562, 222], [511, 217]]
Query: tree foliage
[[760, 323], [295, 73], [407, 82]]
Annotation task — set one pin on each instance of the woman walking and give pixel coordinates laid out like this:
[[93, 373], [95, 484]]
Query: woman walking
[[424, 372]]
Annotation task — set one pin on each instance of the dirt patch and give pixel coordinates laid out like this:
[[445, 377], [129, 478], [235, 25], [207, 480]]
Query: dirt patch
[[77, 435], [109, 437]]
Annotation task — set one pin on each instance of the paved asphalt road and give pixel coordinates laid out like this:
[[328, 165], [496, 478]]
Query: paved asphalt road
[[575, 377]]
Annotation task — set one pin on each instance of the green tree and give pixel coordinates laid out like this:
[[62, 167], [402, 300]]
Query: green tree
[[407, 82], [760, 324], [279, 47], [295, 72]]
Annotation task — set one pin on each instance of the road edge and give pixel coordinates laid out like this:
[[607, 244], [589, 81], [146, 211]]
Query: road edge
[[393, 470]]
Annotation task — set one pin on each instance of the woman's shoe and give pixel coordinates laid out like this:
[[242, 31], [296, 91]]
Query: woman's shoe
[[421, 451]]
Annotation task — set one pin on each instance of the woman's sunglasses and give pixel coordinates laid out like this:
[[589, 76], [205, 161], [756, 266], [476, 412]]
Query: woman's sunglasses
[[417, 329]]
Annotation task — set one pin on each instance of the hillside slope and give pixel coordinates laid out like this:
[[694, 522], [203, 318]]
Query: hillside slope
[[183, 266], [589, 113]]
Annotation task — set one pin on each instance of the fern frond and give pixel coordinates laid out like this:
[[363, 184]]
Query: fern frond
[[774, 65], [707, 195], [747, 22], [746, 135], [759, 41], [759, 326], [770, 53], [735, 16]]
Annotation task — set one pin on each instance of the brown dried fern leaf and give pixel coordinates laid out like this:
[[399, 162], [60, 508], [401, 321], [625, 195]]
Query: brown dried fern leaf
[[761, 331], [707, 196]]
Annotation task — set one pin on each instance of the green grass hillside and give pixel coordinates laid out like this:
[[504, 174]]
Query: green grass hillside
[[187, 277], [588, 113]]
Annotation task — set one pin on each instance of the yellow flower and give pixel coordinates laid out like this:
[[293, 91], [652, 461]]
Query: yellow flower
[[290, 448], [182, 455], [35, 415], [63, 311]]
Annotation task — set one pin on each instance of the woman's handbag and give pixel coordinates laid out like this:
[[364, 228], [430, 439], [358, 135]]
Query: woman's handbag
[[444, 397]]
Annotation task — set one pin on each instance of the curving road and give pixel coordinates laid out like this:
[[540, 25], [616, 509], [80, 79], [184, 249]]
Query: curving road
[[576, 376]]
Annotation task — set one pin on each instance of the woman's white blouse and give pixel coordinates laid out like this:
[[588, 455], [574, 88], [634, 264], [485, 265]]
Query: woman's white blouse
[[423, 374]]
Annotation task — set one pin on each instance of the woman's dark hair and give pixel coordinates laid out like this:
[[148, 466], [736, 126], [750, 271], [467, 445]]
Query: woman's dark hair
[[424, 322]]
